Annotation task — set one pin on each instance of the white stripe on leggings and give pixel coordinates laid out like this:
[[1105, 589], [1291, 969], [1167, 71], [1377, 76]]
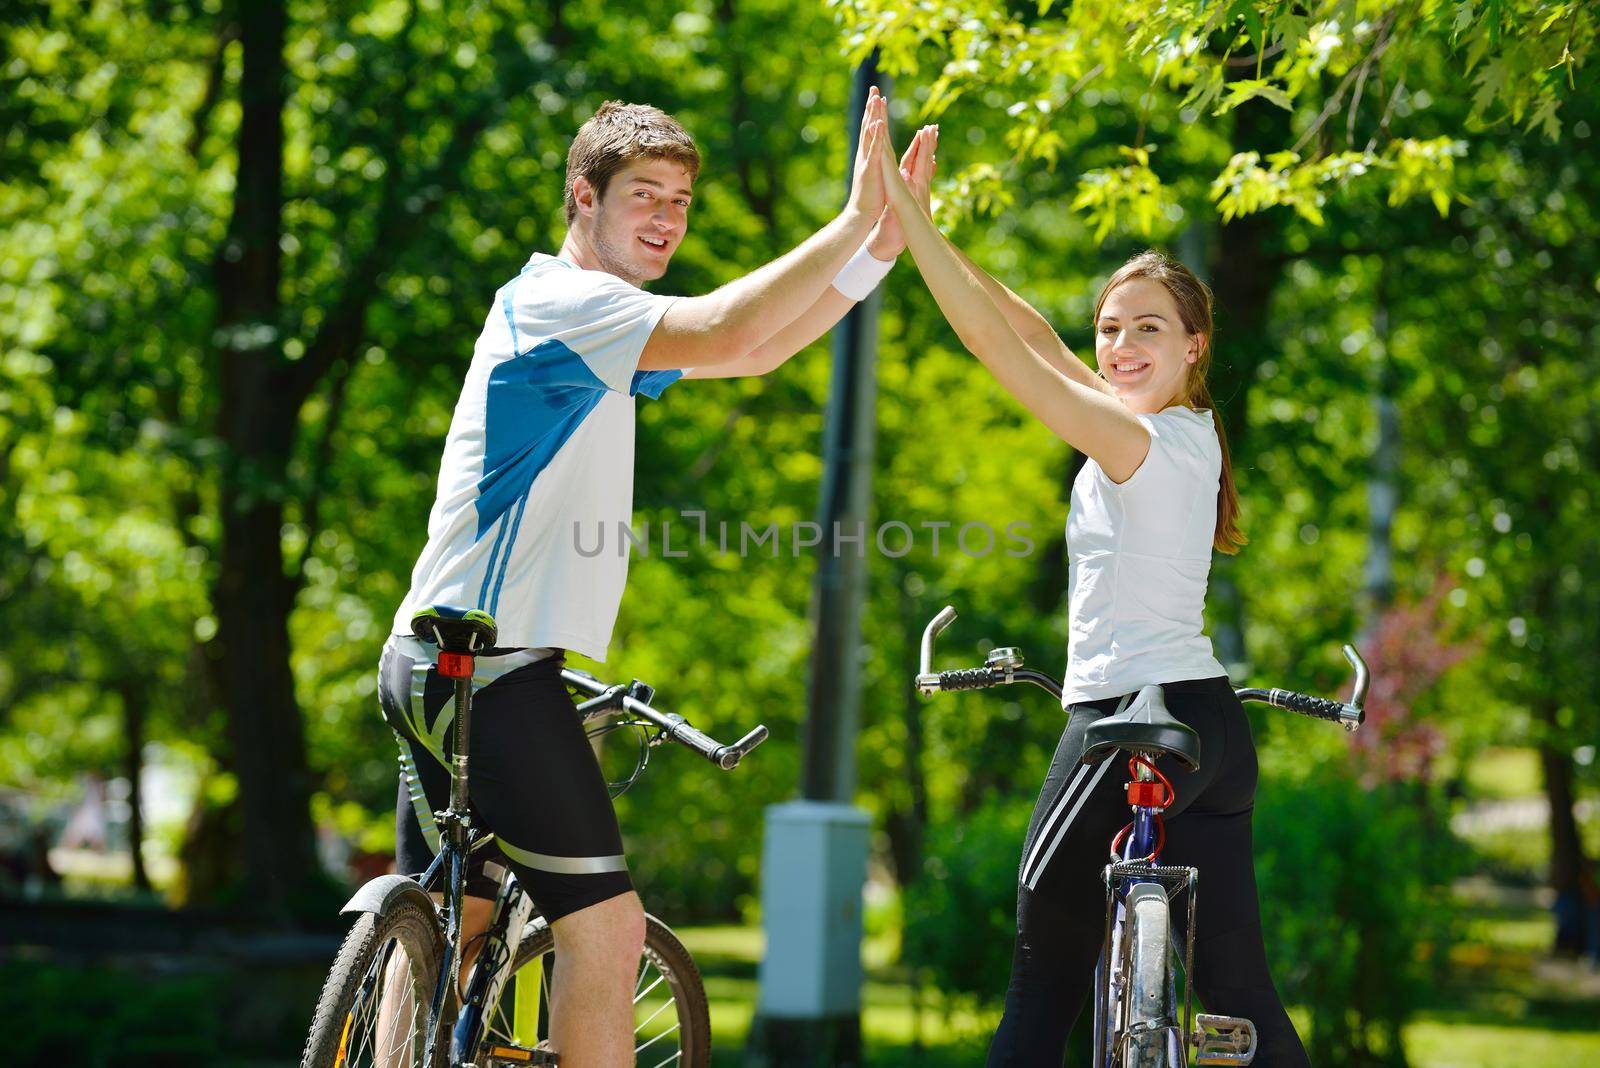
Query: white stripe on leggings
[[1047, 826], [1031, 882]]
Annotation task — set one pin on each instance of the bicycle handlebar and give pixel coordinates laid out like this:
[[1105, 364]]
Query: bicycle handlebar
[[1005, 667], [608, 698]]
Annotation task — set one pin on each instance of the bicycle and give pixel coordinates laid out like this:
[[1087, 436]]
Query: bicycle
[[399, 967], [1136, 979]]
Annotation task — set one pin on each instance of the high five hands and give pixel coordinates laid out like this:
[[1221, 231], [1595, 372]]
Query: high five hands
[[906, 187], [868, 191]]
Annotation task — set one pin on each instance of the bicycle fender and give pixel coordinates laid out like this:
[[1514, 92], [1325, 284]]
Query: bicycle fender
[[377, 895]]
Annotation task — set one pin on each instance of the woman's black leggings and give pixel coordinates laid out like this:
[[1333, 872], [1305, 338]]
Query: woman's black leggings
[[1061, 901]]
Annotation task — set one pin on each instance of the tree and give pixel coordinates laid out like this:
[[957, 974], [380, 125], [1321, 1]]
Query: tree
[[1211, 58]]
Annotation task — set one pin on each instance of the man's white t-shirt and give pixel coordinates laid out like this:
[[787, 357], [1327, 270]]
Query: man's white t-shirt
[[1140, 557], [539, 460]]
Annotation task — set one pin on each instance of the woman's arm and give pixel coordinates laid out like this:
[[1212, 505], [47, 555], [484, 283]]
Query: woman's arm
[[1090, 420], [1034, 329]]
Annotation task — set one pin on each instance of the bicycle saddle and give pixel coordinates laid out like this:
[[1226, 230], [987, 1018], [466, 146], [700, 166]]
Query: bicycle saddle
[[1144, 726], [455, 630]]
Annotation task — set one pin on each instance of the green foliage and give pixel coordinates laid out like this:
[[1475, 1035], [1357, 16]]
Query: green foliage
[[1131, 192], [960, 912], [1354, 885], [107, 1017], [1184, 60]]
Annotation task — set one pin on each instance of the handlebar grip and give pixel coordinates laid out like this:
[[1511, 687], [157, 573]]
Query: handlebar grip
[[966, 679], [679, 730], [726, 757], [1320, 707]]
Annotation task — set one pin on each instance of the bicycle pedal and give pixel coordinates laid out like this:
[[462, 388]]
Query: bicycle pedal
[[1223, 1040], [500, 1055]]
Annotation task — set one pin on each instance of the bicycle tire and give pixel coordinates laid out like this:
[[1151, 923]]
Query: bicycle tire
[[665, 956], [348, 1004], [1146, 993]]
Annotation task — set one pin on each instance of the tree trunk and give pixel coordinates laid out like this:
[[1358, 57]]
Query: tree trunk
[[134, 708], [1242, 284], [1242, 269], [1383, 484], [258, 415], [1566, 845], [1568, 864]]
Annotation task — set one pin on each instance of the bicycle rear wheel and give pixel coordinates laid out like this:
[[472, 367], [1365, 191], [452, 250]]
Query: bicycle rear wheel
[[672, 1021], [1146, 989], [373, 1009]]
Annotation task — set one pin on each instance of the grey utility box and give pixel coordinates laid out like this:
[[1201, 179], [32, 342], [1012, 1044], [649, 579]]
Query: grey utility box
[[813, 868]]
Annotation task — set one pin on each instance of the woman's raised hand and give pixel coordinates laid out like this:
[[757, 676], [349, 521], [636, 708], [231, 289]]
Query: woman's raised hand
[[916, 170]]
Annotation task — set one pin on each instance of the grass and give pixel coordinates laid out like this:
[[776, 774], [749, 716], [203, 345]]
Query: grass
[[1503, 774], [1455, 1043], [894, 1030]]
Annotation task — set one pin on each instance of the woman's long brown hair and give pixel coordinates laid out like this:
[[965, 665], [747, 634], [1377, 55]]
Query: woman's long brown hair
[[1194, 305]]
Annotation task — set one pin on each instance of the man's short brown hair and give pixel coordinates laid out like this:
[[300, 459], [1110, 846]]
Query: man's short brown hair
[[619, 134]]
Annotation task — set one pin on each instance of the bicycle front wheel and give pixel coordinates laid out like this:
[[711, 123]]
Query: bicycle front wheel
[[672, 1021], [373, 1010], [1146, 1022]]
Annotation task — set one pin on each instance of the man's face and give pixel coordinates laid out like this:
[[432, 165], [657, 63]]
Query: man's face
[[640, 220]]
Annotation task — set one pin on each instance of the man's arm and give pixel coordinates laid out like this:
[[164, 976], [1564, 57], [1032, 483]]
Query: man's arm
[[776, 350], [726, 325], [885, 245]]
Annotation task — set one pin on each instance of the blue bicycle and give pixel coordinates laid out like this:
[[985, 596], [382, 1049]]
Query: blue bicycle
[[1137, 1023]]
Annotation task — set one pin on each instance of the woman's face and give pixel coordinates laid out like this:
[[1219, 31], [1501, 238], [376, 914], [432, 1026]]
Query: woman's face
[[1141, 346]]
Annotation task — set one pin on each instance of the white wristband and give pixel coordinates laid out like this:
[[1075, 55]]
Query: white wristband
[[858, 278]]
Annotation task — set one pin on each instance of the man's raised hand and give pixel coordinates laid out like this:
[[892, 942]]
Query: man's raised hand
[[866, 184]]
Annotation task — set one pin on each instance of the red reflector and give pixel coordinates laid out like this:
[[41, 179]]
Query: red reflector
[[455, 665], [1147, 794]]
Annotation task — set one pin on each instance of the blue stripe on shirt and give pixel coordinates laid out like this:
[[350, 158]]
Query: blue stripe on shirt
[[516, 521], [535, 403]]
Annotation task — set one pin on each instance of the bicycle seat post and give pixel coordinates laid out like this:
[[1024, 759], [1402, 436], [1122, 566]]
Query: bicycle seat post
[[461, 635], [458, 667]]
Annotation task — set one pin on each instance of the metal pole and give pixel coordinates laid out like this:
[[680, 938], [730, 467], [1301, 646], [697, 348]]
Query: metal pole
[[814, 855], [833, 704]]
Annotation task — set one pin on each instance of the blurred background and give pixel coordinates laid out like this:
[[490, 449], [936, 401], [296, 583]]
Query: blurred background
[[232, 344]]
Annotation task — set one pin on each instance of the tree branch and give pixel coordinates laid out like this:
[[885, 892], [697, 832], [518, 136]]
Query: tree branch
[[1382, 45], [762, 204], [1255, 60], [1383, 123]]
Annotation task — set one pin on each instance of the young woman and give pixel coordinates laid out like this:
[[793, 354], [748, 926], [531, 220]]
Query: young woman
[[1153, 500]]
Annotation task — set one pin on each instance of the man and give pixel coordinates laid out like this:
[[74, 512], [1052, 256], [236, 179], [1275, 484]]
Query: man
[[541, 445]]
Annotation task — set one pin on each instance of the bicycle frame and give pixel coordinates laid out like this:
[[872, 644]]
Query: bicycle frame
[[1139, 862], [513, 907]]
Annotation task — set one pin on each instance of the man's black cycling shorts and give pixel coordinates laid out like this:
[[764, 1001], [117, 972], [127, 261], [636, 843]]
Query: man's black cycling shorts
[[532, 777]]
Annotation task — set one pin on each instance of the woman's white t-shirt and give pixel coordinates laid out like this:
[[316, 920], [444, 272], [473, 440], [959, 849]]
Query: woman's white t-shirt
[[1140, 557]]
